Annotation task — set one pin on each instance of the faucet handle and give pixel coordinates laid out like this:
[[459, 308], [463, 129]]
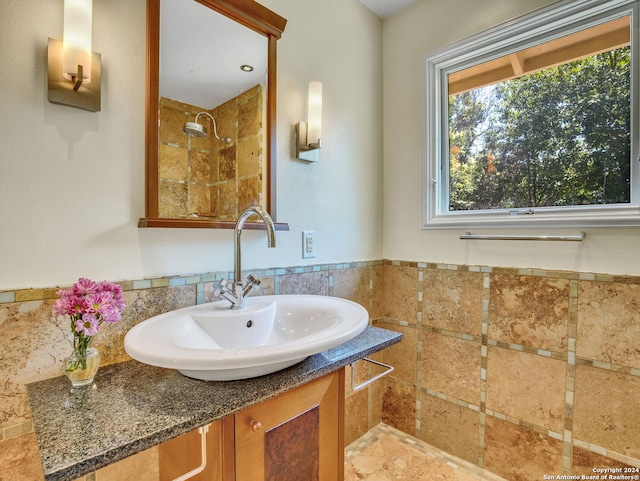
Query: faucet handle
[[252, 283], [219, 287]]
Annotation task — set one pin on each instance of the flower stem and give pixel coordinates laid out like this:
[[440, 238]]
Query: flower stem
[[81, 343]]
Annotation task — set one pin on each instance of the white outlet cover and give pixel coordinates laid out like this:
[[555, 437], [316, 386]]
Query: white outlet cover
[[308, 244]]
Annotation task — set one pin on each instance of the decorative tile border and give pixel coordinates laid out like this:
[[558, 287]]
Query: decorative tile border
[[449, 333], [420, 349], [451, 399], [22, 295], [484, 363], [583, 276], [572, 329], [606, 452], [16, 430]]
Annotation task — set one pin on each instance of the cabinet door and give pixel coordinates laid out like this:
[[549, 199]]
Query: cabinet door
[[296, 436], [184, 453]]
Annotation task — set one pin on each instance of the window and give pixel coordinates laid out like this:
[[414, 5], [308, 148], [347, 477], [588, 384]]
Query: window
[[535, 122]]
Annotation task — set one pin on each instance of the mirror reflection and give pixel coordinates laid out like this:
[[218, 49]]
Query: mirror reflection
[[212, 104]]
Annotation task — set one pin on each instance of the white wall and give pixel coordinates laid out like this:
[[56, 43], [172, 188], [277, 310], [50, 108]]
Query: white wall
[[338, 42], [72, 182], [408, 36]]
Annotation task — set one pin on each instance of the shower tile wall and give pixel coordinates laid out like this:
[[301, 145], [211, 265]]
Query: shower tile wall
[[524, 373], [205, 176]]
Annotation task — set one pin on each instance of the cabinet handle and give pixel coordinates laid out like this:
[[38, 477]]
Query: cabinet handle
[[256, 425]]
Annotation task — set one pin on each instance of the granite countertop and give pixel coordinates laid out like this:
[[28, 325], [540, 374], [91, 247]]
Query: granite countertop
[[134, 406]]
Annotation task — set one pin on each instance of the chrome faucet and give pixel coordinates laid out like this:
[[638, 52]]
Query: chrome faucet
[[239, 289]]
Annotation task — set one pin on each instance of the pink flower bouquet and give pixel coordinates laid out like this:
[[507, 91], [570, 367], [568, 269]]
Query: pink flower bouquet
[[88, 305]]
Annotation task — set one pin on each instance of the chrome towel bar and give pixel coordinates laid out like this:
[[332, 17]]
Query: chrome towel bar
[[357, 387], [470, 236]]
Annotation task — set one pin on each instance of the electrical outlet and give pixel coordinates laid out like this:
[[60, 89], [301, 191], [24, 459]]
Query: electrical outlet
[[308, 244]]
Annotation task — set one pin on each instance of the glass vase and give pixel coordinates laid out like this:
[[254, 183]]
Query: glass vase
[[81, 366]]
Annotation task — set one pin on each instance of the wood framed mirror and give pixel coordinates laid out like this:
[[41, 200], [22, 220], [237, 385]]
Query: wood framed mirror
[[159, 210]]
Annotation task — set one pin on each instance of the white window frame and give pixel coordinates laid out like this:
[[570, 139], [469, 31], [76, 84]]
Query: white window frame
[[554, 21]]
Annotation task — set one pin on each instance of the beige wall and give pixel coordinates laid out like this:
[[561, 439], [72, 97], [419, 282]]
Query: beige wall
[[72, 182], [408, 36]]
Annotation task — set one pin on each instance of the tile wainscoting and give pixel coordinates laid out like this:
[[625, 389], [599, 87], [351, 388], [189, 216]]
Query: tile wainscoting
[[34, 342], [524, 373]]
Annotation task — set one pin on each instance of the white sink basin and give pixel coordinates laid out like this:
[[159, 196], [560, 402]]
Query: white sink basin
[[215, 343]]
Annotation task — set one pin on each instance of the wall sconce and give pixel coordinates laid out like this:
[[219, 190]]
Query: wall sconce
[[73, 70], [308, 133]]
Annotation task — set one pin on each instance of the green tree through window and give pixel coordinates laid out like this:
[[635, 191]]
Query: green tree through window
[[557, 137], [534, 122]]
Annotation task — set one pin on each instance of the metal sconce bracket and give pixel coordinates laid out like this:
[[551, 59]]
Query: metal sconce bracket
[[74, 93], [305, 150]]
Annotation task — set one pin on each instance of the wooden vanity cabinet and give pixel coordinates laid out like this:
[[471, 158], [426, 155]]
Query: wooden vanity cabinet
[[296, 436]]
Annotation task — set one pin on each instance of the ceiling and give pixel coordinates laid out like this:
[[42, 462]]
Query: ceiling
[[386, 8]]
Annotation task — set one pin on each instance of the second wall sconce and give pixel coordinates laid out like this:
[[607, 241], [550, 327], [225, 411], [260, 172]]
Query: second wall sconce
[[73, 70], [308, 133]]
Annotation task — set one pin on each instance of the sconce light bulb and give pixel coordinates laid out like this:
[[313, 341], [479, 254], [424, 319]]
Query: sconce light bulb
[[314, 113], [76, 47]]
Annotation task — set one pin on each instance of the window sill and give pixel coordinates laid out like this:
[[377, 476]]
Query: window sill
[[576, 217]]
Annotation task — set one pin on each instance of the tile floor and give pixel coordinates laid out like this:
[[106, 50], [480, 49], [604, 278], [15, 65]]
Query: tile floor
[[386, 454]]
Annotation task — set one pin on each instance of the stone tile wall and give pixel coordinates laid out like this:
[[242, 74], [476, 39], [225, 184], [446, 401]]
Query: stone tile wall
[[34, 342], [525, 373], [203, 175]]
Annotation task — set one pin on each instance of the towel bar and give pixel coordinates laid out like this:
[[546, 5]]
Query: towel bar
[[470, 236], [357, 387]]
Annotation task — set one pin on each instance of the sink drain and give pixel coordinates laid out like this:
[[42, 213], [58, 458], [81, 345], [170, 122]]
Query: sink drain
[[249, 323]]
